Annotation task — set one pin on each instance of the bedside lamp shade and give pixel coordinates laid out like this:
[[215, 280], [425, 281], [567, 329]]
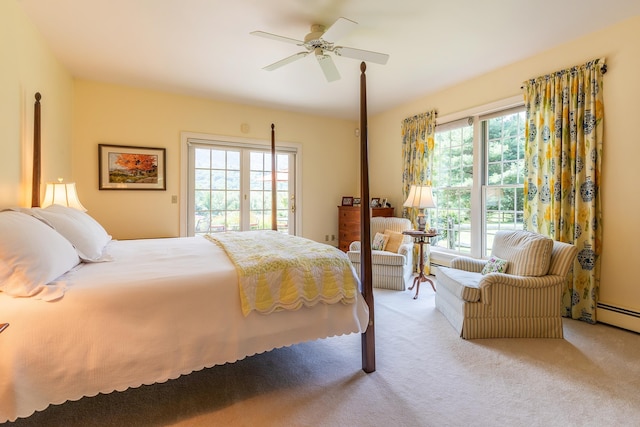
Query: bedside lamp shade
[[65, 194], [420, 197]]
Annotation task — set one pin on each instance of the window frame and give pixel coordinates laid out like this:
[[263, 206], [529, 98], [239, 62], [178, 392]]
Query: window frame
[[444, 256], [190, 138], [485, 139]]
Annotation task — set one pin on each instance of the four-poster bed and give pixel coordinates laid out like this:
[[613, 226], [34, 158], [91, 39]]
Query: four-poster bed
[[146, 311]]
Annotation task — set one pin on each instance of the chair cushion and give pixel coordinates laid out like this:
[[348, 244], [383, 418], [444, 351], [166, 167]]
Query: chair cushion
[[461, 283], [379, 257], [396, 239], [495, 265], [379, 242], [528, 254]]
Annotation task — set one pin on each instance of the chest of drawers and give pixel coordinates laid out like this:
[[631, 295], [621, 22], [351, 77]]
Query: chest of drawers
[[349, 223]]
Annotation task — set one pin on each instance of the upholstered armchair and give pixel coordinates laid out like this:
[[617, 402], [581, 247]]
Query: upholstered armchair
[[392, 262], [516, 293]]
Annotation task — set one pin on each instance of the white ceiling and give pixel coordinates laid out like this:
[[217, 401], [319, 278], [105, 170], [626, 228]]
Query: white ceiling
[[203, 47]]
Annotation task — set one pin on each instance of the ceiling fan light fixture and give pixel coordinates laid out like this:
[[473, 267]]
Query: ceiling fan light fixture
[[320, 42]]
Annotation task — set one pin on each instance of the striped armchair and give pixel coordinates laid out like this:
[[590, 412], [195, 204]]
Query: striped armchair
[[391, 268], [524, 300]]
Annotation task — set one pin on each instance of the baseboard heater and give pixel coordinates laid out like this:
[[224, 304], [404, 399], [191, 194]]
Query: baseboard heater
[[619, 316]]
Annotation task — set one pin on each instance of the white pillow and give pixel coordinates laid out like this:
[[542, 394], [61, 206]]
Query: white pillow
[[32, 255], [84, 232]]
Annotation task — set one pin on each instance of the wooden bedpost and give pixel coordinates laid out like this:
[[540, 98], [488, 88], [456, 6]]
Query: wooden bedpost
[[35, 180], [368, 337], [274, 177]]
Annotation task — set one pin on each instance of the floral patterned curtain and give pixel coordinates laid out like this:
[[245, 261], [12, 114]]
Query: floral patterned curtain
[[417, 160], [565, 118]]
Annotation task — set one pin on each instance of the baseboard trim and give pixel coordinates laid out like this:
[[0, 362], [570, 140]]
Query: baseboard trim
[[621, 317]]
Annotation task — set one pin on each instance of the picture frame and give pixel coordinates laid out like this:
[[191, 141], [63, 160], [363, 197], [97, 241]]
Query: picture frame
[[356, 201], [347, 201], [123, 167], [375, 202]]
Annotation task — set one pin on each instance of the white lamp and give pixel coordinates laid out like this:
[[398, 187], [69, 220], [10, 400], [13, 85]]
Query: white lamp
[[421, 197], [65, 194]]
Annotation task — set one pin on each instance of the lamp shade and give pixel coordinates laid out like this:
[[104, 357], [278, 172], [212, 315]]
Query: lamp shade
[[420, 196], [65, 194]]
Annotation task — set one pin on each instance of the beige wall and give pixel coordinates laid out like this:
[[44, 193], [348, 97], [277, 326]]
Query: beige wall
[[621, 151], [111, 114], [27, 66]]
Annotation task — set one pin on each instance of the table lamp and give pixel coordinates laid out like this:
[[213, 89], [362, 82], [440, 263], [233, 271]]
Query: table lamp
[[62, 193], [420, 197]]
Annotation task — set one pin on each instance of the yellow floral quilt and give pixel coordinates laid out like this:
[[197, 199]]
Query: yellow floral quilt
[[281, 272]]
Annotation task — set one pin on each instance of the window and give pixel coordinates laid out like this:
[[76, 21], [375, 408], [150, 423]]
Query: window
[[478, 180], [229, 186], [503, 191], [452, 179]]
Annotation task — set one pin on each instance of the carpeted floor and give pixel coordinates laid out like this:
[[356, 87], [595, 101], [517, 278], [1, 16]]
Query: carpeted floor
[[426, 376]]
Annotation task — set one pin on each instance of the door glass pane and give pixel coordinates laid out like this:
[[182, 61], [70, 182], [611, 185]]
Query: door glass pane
[[220, 203], [261, 194]]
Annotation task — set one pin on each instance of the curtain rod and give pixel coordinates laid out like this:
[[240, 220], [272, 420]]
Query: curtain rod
[[603, 68]]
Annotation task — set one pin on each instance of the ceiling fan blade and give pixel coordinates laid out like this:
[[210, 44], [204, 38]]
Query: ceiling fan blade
[[285, 61], [339, 29], [277, 37], [328, 67], [364, 55]]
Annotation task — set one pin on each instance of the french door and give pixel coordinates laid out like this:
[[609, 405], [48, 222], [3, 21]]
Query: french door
[[229, 187]]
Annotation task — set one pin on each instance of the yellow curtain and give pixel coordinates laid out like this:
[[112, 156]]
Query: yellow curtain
[[417, 161], [565, 118]]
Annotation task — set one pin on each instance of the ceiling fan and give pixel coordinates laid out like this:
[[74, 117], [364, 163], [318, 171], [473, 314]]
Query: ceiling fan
[[321, 42]]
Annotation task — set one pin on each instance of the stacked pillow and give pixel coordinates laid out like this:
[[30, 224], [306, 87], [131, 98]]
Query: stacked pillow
[[32, 255], [379, 242], [84, 232], [495, 265], [40, 245], [396, 240], [389, 241]]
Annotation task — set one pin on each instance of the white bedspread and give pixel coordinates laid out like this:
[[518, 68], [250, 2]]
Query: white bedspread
[[161, 309]]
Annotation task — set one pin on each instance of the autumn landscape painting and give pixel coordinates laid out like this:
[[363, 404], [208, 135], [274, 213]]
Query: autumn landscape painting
[[131, 168]]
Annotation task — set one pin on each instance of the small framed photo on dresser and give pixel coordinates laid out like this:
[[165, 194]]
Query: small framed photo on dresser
[[347, 201], [375, 202], [356, 201]]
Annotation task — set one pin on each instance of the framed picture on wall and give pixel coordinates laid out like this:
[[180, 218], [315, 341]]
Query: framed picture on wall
[[347, 201], [122, 167]]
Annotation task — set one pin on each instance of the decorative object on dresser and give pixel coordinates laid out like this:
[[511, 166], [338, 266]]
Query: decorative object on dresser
[[347, 201], [349, 223]]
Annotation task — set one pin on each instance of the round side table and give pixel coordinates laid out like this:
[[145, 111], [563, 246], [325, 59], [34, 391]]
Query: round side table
[[420, 237]]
